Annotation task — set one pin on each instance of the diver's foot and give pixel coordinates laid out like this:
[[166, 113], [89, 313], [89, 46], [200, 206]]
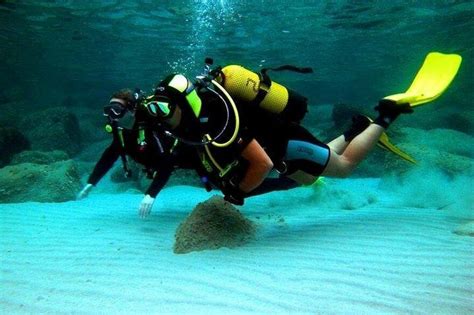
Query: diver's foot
[[389, 111], [359, 124]]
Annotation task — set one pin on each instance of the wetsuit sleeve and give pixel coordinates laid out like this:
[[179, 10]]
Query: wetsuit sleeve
[[162, 176], [105, 163]]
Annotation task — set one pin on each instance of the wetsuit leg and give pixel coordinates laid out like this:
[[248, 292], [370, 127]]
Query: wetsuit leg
[[306, 157]]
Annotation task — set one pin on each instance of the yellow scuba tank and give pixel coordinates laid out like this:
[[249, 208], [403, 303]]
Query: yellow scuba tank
[[245, 85]]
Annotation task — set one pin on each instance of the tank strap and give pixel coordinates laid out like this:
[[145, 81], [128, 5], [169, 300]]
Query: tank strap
[[263, 87], [266, 82]]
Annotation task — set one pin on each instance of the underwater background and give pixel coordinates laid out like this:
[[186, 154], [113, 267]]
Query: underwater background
[[360, 51], [395, 238]]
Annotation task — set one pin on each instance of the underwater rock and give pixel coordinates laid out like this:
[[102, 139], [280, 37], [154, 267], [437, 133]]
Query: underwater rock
[[53, 129], [451, 164], [447, 140], [430, 149], [462, 121], [12, 141], [213, 224], [39, 157], [56, 182], [466, 229], [91, 123], [457, 118]]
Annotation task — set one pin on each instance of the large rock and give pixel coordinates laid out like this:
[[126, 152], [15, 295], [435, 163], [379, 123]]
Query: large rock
[[213, 224], [91, 123], [39, 157], [53, 129], [429, 148], [449, 163], [12, 141], [56, 182]]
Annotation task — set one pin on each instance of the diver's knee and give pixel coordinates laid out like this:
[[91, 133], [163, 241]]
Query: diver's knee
[[339, 166]]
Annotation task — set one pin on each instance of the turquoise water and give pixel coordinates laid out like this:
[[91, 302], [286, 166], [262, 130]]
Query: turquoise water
[[385, 241], [360, 51]]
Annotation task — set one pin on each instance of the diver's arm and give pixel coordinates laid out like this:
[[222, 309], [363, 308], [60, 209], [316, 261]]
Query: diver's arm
[[104, 164], [159, 181], [260, 165]]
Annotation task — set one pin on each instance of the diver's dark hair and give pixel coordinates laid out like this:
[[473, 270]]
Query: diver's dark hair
[[126, 95]]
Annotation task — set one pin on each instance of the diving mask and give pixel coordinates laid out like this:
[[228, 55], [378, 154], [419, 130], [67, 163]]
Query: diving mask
[[160, 107], [115, 110]]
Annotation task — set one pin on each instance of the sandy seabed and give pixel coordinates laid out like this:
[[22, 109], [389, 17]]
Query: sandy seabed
[[95, 256]]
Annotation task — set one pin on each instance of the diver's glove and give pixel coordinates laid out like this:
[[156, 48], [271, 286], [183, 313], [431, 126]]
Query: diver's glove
[[145, 206], [235, 197], [84, 192], [389, 110], [232, 193]]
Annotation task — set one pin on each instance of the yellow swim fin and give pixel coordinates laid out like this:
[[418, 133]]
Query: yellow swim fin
[[433, 78], [384, 142]]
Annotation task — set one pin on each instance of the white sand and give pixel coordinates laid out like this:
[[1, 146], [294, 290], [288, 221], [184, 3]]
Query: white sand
[[97, 256]]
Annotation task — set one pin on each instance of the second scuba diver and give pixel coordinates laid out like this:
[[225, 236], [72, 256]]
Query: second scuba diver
[[146, 146]]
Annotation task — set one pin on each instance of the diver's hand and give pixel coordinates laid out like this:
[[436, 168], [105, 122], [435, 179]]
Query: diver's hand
[[236, 199], [145, 206], [232, 193], [84, 192]]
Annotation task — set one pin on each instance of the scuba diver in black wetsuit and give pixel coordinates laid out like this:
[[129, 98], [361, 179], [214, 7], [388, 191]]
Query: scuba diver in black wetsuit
[[146, 146], [198, 118], [238, 147]]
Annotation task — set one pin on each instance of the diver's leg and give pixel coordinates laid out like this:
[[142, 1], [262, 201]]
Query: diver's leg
[[305, 161], [312, 159], [359, 124], [341, 165], [338, 145]]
